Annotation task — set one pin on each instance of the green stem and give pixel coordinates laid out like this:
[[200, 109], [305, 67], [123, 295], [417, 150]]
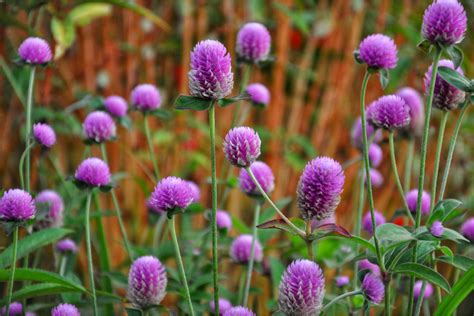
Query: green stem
[[248, 279], [21, 164], [179, 261], [62, 265], [439, 146], [309, 242], [340, 297], [437, 288], [29, 107], [388, 309], [158, 229], [13, 267], [360, 207], [408, 165], [243, 84], [150, 148], [89, 253]]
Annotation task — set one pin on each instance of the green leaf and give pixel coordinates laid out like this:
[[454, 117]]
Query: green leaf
[[185, 102], [453, 235], [133, 311], [447, 251], [37, 275], [32, 242], [282, 225], [442, 210], [83, 14], [384, 78], [424, 45], [463, 287], [423, 272], [456, 55], [461, 262], [160, 113], [40, 289], [390, 235], [64, 35], [356, 54], [228, 101], [277, 269], [455, 79]]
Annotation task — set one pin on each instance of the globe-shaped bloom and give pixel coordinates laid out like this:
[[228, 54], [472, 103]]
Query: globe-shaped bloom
[[437, 229], [378, 51], [241, 248], [259, 94], [35, 51], [224, 306], [242, 146], [253, 42], [65, 310], [372, 288], [319, 188], [211, 74], [66, 246], [342, 280], [376, 178], [417, 290], [93, 172], [16, 206], [367, 265], [146, 282], [55, 207], [373, 134], [116, 105], [467, 229], [264, 175], [16, 309], [390, 112], [99, 127], [44, 134], [446, 97], [444, 22], [171, 194], [239, 311], [375, 155], [146, 97], [367, 221], [223, 220], [417, 112], [412, 197], [301, 290], [196, 191]]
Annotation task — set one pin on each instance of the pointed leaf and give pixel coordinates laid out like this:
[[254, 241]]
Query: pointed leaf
[[442, 210], [228, 101], [160, 113], [461, 262], [37, 275], [185, 102], [456, 55], [390, 235], [424, 45], [329, 230], [463, 287], [384, 78], [423, 272], [456, 79], [39, 289], [281, 225]]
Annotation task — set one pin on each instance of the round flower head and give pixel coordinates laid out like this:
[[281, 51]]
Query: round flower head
[[93, 172], [367, 265], [35, 51], [253, 42], [373, 134], [444, 22], [378, 51], [65, 310], [239, 311], [417, 112], [375, 155], [224, 306], [195, 190], [223, 220], [437, 229], [15, 309], [412, 197], [171, 194], [44, 134], [390, 112], [319, 188], [467, 229], [99, 127], [146, 282], [264, 175], [116, 105], [259, 94], [241, 248], [16, 206], [367, 221], [146, 97], [342, 280], [376, 178], [66, 246], [373, 288], [301, 290], [211, 74], [417, 290], [446, 97], [242, 146], [55, 206]]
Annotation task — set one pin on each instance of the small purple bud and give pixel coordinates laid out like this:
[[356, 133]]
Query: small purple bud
[[414, 102], [65, 310], [467, 229], [146, 282], [99, 127], [241, 247], [372, 288], [44, 134], [171, 194], [373, 134], [242, 146], [116, 105], [66, 246], [264, 175], [375, 155], [253, 42], [239, 311], [417, 290], [367, 265], [259, 94], [224, 305], [389, 112], [196, 191], [378, 51], [93, 172], [35, 51], [16, 206], [223, 220], [367, 221], [444, 22], [342, 280], [55, 205], [437, 229], [412, 198], [376, 178], [146, 97]]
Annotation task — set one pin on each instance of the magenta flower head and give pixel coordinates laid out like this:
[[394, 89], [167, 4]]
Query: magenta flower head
[[253, 43], [16, 206], [93, 172], [375, 155], [417, 112], [65, 310], [195, 190], [342, 280], [224, 306], [373, 134], [264, 176], [372, 288], [116, 105], [241, 247], [319, 188], [378, 51], [417, 290], [146, 282], [412, 197], [467, 229], [437, 229], [54, 206], [242, 146], [259, 94], [390, 112], [66, 246], [444, 22], [44, 134], [446, 97], [239, 311], [99, 127], [211, 74], [146, 97], [367, 265], [35, 51], [376, 178], [15, 309], [171, 195], [223, 220], [301, 290], [367, 221]]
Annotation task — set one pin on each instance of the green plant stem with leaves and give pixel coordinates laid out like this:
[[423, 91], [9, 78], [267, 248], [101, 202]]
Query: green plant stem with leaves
[[12, 272], [309, 241], [151, 152], [338, 298], [439, 146], [22, 164], [408, 165], [29, 109], [360, 207], [89, 253]]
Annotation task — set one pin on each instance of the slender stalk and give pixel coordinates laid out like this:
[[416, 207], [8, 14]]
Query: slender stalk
[[408, 165], [21, 165], [309, 243], [439, 146], [29, 107], [150, 148], [248, 279], [158, 229], [62, 265], [437, 288], [360, 207], [13, 267], [179, 261], [388, 309], [340, 297], [245, 79], [420, 299], [89, 253]]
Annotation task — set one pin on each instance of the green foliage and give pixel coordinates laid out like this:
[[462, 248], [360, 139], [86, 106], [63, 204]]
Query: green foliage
[[423, 272], [463, 287]]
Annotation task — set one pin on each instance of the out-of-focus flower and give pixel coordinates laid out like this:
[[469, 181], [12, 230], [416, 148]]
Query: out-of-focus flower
[[367, 221], [146, 97], [412, 198], [239, 311], [171, 194], [116, 105], [367, 265], [54, 217], [241, 248], [467, 229], [264, 175], [93, 172], [44, 134], [35, 51], [376, 178], [444, 22], [66, 246], [224, 305], [99, 127], [65, 310], [437, 229], [373, 134], [242, 146], [253, 42], [375, 155], [259, 94], [417, 290], [223, 220], [417, 112], [196, 191], [342, 280], [378, 51], [16, 205], [372, 288]]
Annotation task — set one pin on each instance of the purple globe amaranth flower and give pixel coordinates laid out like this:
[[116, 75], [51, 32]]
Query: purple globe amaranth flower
[[319, 188], [55, 208], [239, 311], [99, 127], [367, 265], [16, 206], [93, 172], [16, 308], [375, 155], [211, 74], [390, 112], [417, 290], [65, 310], [446, 97], [66, 246], [146, 97], [437, 229], [259, 94], [444, 22], [195, 190], [223, 220], [44, 134], [242, 146], [367, 221], [372, 288], [417, 112], [224, 306], [241, 248], [35, 51], [146, 282], [264, 175], [467, 229], [376, 178], [116, 105], [373, 134], [412, 198], [301, 289], [378, 51], [171, 194], [253, 42], [342, 280]]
